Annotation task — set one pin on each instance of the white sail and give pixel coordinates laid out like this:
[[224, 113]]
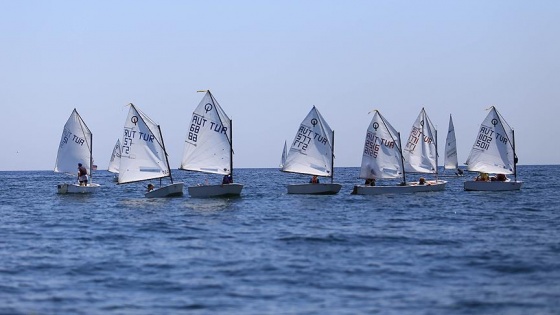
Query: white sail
[[208, 143], [75, 146], [493, 150], [143, 153], [284, 155], [115, 158], [382, 157], [420, 151], [311, 151], [450, 160]]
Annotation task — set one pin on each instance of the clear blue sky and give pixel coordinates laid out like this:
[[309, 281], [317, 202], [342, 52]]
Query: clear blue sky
[[268, 62]]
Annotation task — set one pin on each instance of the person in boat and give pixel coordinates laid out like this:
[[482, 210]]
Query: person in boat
[[499, 178], [482, 177], [82, 175], [227, 179], [150, 187], [314, 180], [370, 182], [421, 181], [459, 172]]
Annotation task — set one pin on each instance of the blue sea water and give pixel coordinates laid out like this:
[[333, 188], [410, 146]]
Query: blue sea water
[[266, 252]]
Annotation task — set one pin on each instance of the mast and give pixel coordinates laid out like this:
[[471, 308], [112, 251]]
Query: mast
[[402, 159], [231, 149], [332, 158], [437, 155], [514, 156], [90, 156], [230, 135], [166, 159]]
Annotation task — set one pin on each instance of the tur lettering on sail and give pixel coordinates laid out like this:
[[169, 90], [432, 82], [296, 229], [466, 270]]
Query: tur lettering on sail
[[304, 137], [199, 123], [67, 135], [485, 137], [374, 143], [414, 138], [130, 135]]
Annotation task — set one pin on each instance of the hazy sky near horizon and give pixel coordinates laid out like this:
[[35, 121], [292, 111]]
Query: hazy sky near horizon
[[268, 62]]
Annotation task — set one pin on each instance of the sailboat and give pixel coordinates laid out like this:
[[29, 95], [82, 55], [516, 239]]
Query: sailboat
[[284, 155], [208, 148], [75, 147], [382, 158], [450, 161], [143, 155], [312, 153], [420, 152], [494, 152], [115, 160]]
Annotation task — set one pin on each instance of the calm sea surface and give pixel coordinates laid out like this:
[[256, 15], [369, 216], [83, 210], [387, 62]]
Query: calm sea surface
[[266, 252]]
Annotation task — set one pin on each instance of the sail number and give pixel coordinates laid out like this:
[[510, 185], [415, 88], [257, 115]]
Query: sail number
[[414, 137], [485, 137], [193, 132], [304, 136], [127, 141], [374, 143], [67, 134], [198, 123]]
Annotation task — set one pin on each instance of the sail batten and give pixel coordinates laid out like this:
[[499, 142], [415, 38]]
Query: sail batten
[[311, 151]]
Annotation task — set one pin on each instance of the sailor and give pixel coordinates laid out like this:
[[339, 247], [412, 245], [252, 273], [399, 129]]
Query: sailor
[[314, 180], [82, 175]]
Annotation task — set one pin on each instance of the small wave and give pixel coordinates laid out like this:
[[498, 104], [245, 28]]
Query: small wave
[[312, 239]]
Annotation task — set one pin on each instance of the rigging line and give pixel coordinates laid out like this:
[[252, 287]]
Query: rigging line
[[215, 102], [321, 119], [87, 131], [432, 136], [331, 143], [502, 121], [397, 143], [166, 159]]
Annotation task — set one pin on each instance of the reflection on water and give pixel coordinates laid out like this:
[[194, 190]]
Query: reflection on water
[[208, 205]]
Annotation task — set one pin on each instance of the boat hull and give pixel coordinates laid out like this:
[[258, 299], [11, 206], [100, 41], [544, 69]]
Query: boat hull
[[173, 190], [314, 189], [492, 185], [225, 190], [412, 187], [77, 189]]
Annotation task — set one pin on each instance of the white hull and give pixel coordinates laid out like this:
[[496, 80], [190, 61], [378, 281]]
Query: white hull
[[492, 185], [411, 187], [76, 188], [314, 189], [215, 190], [173, 190]]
